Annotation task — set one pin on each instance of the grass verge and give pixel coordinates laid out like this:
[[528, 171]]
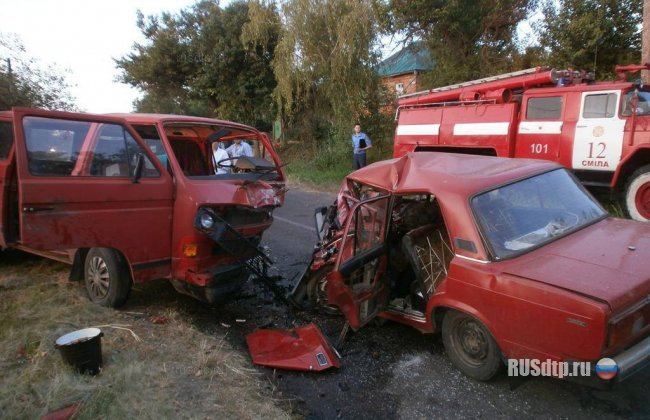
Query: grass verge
[[156, 363]]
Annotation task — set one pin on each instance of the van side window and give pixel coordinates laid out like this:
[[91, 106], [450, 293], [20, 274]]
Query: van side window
[[53, 146], [116, 153], [6, 139], [78, 148], [548, 108], [601, 105], [152, 139]]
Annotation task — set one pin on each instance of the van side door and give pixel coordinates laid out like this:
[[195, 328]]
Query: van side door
[[77, 190]]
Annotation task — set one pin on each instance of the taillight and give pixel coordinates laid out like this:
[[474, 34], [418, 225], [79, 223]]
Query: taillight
[[629, 324]]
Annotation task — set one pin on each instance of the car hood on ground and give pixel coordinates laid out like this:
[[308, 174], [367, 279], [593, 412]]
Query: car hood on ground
[[609, 261]]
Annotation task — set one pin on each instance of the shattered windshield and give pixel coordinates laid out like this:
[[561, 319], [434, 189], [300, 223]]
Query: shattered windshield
[[533, 211]]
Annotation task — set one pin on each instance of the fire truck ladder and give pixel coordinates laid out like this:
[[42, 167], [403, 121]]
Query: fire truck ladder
[[258, 265], [478, 81]]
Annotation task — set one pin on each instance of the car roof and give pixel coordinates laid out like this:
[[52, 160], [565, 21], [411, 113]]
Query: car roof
[[444, 174]]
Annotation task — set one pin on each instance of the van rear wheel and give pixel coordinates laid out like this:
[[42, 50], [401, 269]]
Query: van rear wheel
[[107, 277]]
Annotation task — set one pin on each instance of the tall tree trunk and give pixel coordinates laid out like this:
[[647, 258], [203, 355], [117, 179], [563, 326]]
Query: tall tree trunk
[[645, 41]]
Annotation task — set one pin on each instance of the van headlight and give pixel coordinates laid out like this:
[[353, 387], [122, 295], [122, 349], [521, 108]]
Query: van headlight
[[206, 220]]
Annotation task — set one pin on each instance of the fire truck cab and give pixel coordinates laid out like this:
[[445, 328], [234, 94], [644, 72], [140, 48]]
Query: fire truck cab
[[600, 130]]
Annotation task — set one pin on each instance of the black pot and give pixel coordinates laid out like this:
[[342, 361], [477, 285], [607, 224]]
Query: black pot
[[82, 349]]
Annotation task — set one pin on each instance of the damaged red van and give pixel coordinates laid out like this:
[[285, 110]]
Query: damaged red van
[[135, 197]]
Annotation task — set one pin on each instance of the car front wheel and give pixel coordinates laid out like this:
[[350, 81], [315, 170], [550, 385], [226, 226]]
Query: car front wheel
[[470, 346], [107, 277]]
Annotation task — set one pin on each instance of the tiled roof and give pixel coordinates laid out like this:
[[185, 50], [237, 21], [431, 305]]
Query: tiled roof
[[411, 58]]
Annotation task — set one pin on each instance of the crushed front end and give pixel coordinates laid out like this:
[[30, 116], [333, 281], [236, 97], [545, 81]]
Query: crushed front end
[[224, 249]]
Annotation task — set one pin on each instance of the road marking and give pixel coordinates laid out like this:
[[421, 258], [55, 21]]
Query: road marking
[[282, 219]]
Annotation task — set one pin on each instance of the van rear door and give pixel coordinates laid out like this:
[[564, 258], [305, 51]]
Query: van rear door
[[77, 190]]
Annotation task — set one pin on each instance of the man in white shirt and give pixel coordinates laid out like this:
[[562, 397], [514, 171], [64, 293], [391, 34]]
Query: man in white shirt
[[239, 148], [220, 155]]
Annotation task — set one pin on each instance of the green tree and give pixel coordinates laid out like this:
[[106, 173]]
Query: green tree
[[468, 39], [197, 63], [591, 34], [26, 82], [324, 67]]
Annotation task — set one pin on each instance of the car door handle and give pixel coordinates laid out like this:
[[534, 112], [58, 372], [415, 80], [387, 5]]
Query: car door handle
[[35, 209], [581, 126]]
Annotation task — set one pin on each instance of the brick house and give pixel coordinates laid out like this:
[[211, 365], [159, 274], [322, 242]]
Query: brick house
[[401, 72]]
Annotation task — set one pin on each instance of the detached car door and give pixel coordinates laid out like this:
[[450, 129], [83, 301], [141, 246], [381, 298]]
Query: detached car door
[[77, 188], [358, 284]]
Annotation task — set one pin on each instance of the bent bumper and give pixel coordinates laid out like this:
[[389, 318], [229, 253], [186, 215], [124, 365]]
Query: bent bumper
[[221, 283], [633, 359]]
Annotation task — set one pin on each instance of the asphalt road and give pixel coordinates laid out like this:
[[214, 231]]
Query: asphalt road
[[393, 371]]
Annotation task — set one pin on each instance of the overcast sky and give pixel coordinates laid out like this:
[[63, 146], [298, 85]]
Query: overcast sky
[[84, 36]]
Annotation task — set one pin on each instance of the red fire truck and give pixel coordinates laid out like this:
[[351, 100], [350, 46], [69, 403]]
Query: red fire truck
[[600, 130]]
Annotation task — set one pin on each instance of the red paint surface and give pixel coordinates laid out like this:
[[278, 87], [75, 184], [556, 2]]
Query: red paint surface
[[304, 348], [576, 298]]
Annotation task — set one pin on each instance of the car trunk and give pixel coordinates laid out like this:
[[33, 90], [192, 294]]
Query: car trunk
[[606, 261]]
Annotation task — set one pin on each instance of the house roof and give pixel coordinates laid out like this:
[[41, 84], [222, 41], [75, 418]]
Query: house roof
[[414, 57]]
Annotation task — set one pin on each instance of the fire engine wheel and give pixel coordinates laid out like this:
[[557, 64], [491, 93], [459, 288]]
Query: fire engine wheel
[[637, 194], [470, 346], [107, 278], [317, 293]]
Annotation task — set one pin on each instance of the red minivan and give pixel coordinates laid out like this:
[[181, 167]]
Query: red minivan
[[135, 197]]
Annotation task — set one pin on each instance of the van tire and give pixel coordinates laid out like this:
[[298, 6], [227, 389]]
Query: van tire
[[470, 346], [637, 194], [107, 277]]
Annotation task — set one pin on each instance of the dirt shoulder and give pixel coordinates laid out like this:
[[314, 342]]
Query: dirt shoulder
[[157, 363]]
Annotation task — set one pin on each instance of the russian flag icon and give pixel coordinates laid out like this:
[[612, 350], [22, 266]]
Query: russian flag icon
[[606, 368]]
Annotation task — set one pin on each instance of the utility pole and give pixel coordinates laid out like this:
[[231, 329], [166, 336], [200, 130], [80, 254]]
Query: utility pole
[[10, 79], [645, 40]]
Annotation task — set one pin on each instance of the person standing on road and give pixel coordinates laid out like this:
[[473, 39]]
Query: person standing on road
[[360, 143]]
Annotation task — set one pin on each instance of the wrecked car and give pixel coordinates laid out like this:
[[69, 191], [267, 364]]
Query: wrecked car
[[507, 258], [135, 197]]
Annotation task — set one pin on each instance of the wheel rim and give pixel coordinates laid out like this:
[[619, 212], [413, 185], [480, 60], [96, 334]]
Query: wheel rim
[[98, 278], [642, 200], [472, 341]]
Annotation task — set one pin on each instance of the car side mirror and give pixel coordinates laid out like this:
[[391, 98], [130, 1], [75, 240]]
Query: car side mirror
[[139, 167]]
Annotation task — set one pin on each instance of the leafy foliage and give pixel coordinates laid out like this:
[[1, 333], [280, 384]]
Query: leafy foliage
[[591, 34], [468, 39], [25, 82], [324, 66], [197, 63]]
